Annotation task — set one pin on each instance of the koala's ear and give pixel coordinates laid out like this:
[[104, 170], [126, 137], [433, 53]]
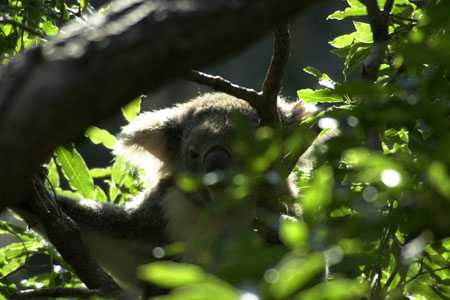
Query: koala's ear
[[294, 112], [155, 133]]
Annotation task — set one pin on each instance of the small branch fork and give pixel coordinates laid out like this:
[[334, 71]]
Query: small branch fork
[[264, 101], [379, 24]]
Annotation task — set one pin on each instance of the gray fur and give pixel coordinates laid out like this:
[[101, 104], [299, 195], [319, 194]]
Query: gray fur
[[164, 143]]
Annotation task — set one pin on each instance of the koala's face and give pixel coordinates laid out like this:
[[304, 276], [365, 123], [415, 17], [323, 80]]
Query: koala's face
[[193, 138], [207, 144]]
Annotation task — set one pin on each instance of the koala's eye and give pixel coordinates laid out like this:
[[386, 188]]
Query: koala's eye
[[193, 154]]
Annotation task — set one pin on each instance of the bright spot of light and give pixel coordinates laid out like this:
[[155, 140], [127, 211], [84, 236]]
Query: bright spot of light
[[57, 268], [352, 121], [328, 123], [158, 252], [310, 108], [391, 178], [327, 83], [248, 296], [370, 193], [271, 276]]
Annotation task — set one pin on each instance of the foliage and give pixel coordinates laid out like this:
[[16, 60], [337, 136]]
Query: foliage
[[376, 207]]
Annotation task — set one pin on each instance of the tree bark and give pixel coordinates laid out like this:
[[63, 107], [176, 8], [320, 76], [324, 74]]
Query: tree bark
[[51, 93]]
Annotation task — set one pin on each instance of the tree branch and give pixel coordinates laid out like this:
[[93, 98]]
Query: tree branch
[[57, 292], [379, 24], [272, 83], [64, 234], [264, 102], [51, 93], [220, 84]]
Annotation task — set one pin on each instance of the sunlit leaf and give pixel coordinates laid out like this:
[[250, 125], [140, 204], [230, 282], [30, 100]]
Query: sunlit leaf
[[171, 274], [316, 96], [132, 109], [101, 136], [76, 172]]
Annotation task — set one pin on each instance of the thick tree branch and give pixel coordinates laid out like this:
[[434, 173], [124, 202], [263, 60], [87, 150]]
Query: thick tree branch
[[272, 83], [57, 292], [379, 24], [51, 93], [64, 234]]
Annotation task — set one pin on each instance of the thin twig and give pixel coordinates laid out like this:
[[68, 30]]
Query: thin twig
[[221, 84], [56, 292], [426, 272], [29, 29]]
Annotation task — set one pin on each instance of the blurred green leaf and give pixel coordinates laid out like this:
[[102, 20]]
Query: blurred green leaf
[[293, 233], [171, 274], [439, 178], [204, 291], [335, 290], [318, 195], [295, 272]]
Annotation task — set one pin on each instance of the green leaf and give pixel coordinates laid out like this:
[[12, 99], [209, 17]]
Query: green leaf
[[212, 289], [363, 32], [294, 273], [318, 196], [335, 290], [355, 8], [132, 109], [323, 78], [83, 5], [343, 41], [170, 274], [316, 96], [49, 28], [370, 165], [7, 289], [101, 136], [100, 194], [76, 172], [356, 55], [100, 172], [14, 255], [293, 233], [439, 178], [53, 175]]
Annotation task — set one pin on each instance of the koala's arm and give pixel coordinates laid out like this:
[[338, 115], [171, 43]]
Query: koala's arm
[[93, 214]]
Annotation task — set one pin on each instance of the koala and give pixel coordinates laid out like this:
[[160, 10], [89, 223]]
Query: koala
[[193, 137]]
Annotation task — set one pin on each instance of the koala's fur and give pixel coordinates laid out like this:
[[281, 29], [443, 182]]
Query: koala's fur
[[165, 143]]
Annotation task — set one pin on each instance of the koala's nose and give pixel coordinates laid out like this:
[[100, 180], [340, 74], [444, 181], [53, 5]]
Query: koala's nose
[[217, 159]]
